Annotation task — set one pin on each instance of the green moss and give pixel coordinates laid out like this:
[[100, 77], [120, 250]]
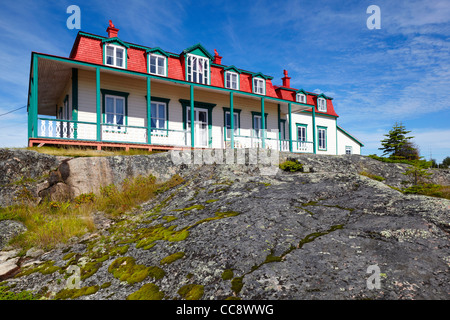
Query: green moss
[[212, 200], [156, 273], [191, 291], [172, 258], [146, 237], [227, 274], [233, 298], [5, 294], [148, 291], [237, 284], [45, 268], [89, 269], [69, 256], [271, 258], [105, 285], [169, 218], [125, 269], [312, 236], [76, 293], [118, 251], [372, 176], [194, 207]]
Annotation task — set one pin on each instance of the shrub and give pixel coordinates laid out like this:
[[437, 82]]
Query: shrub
[[291, 166]]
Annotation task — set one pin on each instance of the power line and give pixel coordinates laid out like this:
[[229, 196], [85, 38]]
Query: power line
[[3, 114]]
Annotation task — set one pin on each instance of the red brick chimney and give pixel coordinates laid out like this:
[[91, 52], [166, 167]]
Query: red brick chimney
[[112, 31], [286, 79], [217, 58]]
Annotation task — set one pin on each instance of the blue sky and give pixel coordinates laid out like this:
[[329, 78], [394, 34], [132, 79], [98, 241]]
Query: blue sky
[[399, 73]]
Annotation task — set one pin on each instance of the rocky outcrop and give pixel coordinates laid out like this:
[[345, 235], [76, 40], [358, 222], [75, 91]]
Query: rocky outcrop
[[229, 231]]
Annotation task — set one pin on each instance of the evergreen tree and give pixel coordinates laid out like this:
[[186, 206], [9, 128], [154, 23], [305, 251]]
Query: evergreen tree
[[446, 163], [397, 144]]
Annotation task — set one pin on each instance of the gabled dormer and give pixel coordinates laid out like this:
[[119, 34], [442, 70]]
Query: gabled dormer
[[322, 102], [114, 49], [157, 61], [197, 61], [259, 83], [300, 96], [231, 77]]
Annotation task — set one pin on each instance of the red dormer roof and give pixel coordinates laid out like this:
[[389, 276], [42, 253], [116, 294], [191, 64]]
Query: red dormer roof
[[89, 48]]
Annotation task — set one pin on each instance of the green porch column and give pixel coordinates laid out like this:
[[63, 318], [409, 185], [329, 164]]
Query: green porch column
[[149, 112], [98, 103], [34, 99], [314, 128], [192, 116], [263, 125], [290, 126], [75, 100], [231, 121]]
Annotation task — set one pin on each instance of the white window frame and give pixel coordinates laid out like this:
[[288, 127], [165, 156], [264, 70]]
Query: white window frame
[[322, 138], [301, 137], [301, 98], [115, 114], [158, 58], [322, 104], [114, 56], [193, 73], [348, 150], [259, 86], [228, 125], [229, 83]]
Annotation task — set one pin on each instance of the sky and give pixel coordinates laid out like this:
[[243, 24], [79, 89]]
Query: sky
[[377, 77]]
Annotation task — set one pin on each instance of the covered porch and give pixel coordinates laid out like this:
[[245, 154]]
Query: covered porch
[[57, 112]]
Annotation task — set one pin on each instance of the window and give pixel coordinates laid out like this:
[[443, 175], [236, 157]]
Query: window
[[257, 126], [115, 56], [259, 86], [322, 105], [322, 134], [197, 69], [115, 111], [301, 133], [282, 129], [158, 115], [157, 64], [348, 150], [228, 124], [231, 80], [301, 98]]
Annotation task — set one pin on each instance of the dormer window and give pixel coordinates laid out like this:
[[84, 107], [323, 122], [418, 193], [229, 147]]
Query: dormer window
[[157, 64], [197, 69], [301, 98], [322, 104], [115, 56], [259, 86], [231, 80]]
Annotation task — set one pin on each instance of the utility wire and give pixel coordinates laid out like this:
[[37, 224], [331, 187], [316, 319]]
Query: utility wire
[[4, 114]]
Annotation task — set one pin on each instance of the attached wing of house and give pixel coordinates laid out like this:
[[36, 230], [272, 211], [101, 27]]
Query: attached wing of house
[[112, 93]]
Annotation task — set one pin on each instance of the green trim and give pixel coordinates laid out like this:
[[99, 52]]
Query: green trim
[[75, 100], [193, 105], [261, 75], [314, 130], [349, 135], [198, 48], [232, 121], [290, 126], [149, 111], [98, 103], [115, 93], [326, 138], [232, 124], [320, 113], [324, 96], [157, 50], [35, 93], [306, 130], [232, 69], [115, 40]]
